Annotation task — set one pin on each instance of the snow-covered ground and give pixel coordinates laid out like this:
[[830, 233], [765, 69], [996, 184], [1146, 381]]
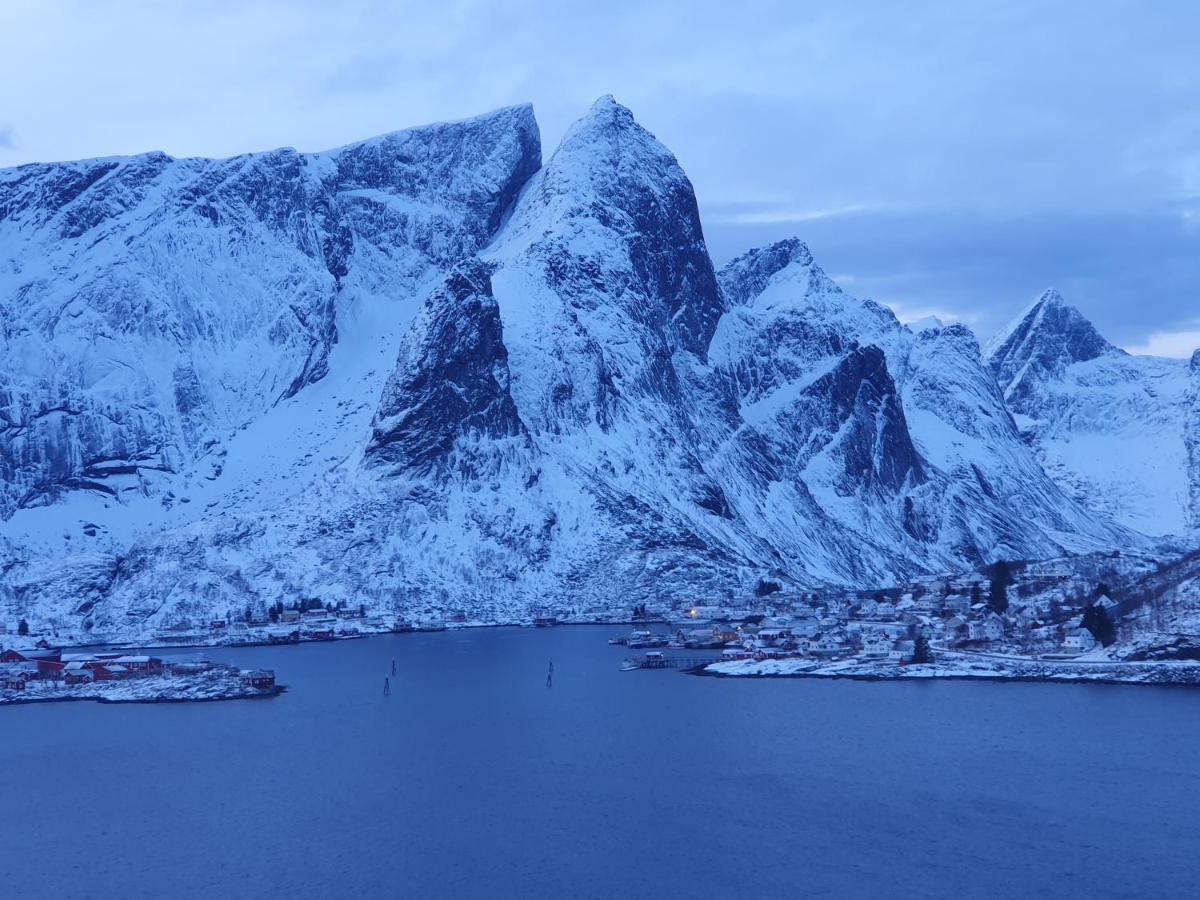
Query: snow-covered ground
[[215, 684], [965, 666]]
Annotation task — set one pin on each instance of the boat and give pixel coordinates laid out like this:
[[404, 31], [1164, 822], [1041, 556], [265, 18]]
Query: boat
[[629, 665], [655, 659], [618, 641]]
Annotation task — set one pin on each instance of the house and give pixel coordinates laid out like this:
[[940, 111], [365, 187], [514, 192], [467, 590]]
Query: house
[[902, 651], [885, 610], [13, 682], [774, 636], [724, 632], [827, 644], [12, 656], [1079, 640], [259, 679], [695, 637], [806, 628], [140, 665], [993, 627], [956, 627], [867, 609], [110, 672], [75, 673], [49, 668], [957, 605]]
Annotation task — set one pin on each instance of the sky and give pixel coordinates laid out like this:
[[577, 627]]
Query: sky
[[952, 159]]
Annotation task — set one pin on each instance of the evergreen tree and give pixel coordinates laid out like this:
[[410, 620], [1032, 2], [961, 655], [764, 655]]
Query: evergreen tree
[[922, 653], [247, 613], [1001, 579], [22, 628], [1097, 621]]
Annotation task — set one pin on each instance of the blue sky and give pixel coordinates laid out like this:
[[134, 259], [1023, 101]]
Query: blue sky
[[950, 158]]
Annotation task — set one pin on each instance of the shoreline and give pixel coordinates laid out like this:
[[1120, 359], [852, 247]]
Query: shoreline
[[115, 701], [1141, 674]]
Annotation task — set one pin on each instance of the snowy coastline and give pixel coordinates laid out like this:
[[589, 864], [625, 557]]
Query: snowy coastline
[[209, 686], [1185, 673]]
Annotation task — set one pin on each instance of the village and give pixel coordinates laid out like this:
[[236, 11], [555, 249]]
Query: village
[[1050, 613], [44, 674]]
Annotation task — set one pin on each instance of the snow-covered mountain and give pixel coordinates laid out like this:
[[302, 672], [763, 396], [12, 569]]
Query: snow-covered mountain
[[426, 373], [1110, 427], [937, 468], [153, 306]]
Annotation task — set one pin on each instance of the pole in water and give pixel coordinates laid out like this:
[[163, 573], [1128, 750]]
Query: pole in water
[[387, 687], [551, 667], [393, 665], [550, 675]]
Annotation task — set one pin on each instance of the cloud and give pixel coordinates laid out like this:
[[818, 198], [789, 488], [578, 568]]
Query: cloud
[[780, 215], [1179, 344]]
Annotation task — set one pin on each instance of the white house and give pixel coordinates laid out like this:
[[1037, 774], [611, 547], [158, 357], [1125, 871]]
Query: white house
[[1079, 640]]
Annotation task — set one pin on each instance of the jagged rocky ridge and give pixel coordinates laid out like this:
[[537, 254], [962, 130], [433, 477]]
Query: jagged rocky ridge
[[581, 410], [1111, 428], [151, 306]]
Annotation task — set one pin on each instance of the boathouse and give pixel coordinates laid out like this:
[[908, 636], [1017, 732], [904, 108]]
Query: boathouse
[[260, 679]]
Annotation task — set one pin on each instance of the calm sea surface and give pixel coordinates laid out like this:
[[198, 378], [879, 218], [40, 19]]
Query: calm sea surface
[[473, 779]]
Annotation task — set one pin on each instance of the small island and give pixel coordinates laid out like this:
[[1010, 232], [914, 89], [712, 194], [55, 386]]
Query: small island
[[48, 675]]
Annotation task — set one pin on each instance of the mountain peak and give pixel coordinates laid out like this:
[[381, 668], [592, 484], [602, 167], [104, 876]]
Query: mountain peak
[[612, 191], [1044, 340], [744, 278]]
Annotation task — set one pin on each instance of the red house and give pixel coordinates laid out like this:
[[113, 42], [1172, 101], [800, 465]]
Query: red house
[[110, 672], [80, 676], [13, 683], [12, 656], [50, 668]]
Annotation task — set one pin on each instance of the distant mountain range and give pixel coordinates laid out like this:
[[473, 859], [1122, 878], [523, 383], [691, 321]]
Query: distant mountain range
[[428, 373]]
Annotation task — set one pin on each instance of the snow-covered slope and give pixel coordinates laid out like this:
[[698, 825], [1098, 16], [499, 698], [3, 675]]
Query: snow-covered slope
[[932, 462], [1108, 426], [580, 412], [153, 306]]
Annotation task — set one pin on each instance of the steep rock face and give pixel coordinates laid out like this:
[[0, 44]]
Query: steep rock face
[[152, 306], [1041, 344], [1107, 426], [960, 486], [451, 380]]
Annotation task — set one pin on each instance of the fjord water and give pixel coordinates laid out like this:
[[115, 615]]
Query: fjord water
[[475, 779]]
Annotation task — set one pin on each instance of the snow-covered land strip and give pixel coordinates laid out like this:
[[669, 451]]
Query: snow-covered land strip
[[964, 667], [214, 684]]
